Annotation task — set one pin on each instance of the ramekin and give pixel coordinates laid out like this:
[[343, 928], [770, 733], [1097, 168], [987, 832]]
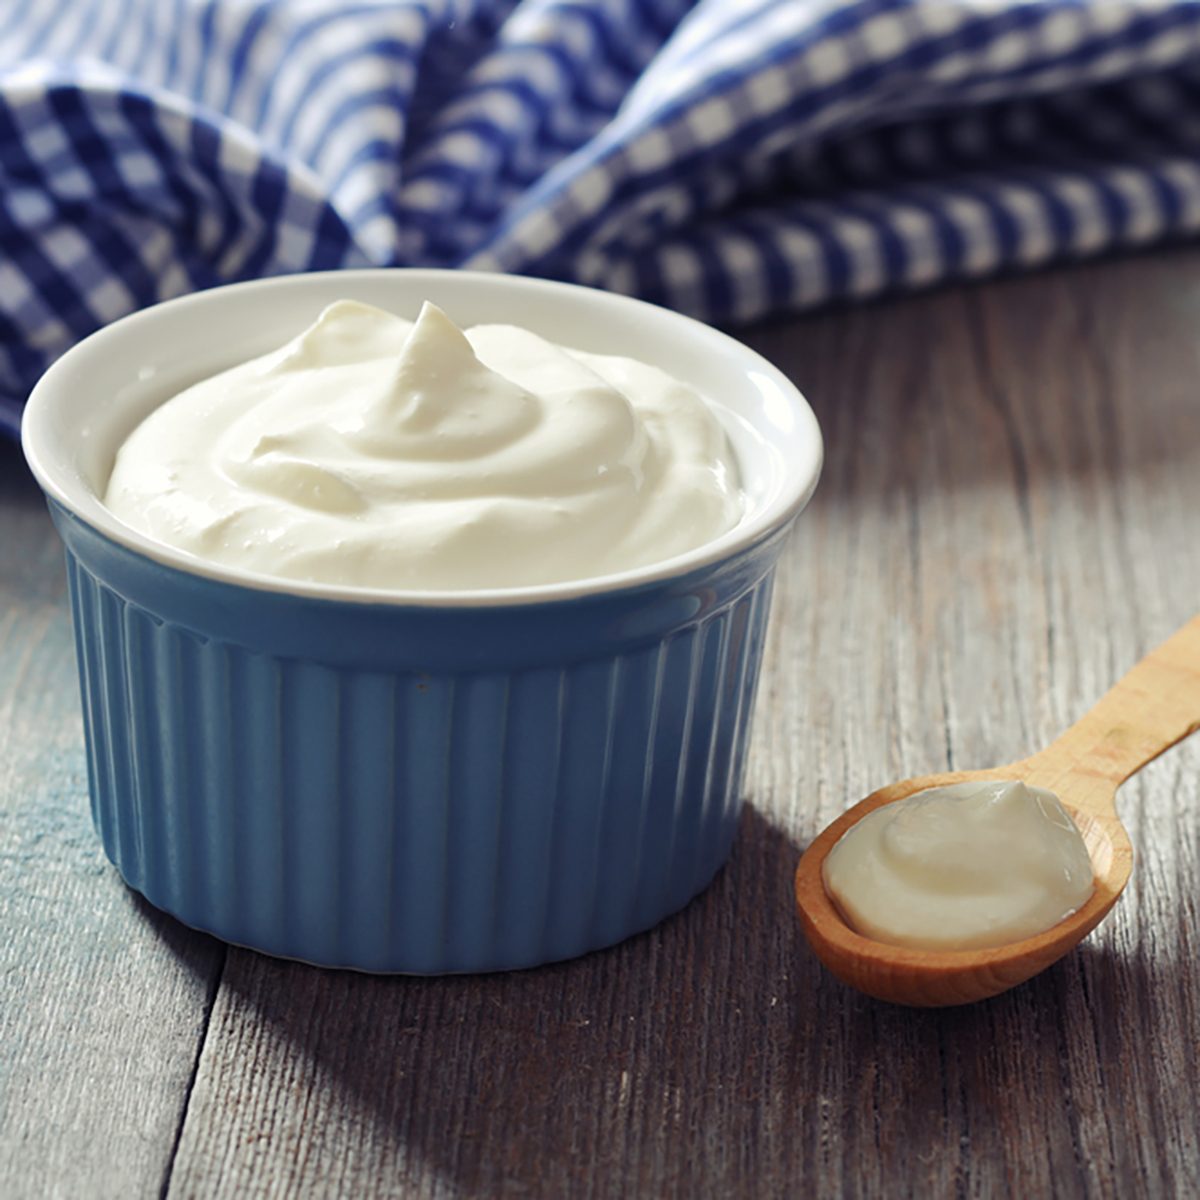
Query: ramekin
[[404, 782]]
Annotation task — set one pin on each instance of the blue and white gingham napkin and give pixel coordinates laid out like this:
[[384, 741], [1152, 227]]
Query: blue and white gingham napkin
[[729, 158]]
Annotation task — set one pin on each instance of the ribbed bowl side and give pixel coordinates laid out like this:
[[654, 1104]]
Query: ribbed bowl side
[[401, 821]]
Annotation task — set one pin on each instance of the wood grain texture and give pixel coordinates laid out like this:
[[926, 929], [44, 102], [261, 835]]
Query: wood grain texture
[[103, 1001], [1005, 525], [1153, 707]]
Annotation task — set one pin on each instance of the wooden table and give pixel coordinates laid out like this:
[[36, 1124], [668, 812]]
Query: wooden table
[[1007, 520]]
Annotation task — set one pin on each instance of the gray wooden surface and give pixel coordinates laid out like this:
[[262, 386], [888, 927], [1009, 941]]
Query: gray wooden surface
[[1008, 519]]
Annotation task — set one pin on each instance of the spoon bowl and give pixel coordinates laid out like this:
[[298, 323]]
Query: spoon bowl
[[1151, 709], [937, 978]]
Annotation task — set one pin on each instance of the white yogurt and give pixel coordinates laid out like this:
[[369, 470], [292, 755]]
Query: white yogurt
[[383, 453], [962, 867]]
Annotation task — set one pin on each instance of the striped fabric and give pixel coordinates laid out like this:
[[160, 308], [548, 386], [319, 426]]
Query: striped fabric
[[729, 158]]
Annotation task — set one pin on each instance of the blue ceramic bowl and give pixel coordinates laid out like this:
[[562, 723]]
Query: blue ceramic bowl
[[425, 782]]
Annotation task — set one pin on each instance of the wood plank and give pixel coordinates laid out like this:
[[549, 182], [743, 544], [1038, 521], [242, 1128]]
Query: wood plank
[[1004, 526], [1006, 523], [103, 1001], [1034, 576]]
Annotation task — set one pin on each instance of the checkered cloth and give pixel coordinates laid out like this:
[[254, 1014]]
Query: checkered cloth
[[729, 158]]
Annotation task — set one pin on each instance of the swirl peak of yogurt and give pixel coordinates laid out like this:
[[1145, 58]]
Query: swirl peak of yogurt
[[376, 452]]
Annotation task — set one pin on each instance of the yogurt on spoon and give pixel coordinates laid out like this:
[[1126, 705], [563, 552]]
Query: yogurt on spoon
[[964, 866]]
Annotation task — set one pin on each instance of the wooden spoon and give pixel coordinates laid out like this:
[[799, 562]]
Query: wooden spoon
[[1156, 705]]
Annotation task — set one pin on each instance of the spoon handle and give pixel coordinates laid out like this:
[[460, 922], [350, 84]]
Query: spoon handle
[[1154, 706]]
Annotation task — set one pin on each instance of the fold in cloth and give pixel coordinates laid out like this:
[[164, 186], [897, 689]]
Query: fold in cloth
[[725, 158]]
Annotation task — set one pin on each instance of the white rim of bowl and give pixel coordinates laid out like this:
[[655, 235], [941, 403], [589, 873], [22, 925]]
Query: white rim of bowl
[[82, 502]]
